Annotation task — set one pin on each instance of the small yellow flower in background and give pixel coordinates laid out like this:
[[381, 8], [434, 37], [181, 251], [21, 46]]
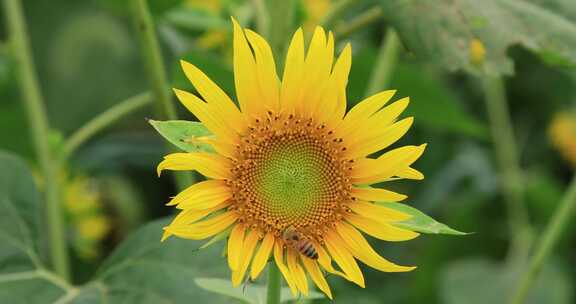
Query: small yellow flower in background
[[291, 173], [477, 52], [562, 133], [88, 220]]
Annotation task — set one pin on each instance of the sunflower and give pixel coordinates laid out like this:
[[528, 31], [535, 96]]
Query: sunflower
[[290, 157]]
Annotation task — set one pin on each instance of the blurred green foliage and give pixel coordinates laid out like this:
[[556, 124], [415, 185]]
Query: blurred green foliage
[[88, 59]]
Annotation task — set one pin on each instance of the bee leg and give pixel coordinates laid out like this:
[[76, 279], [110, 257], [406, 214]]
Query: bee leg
[[245, 284]]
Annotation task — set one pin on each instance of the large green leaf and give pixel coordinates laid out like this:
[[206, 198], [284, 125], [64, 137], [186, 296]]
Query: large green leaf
[[252, 293], [144, 270], [21, 266], [441, 30], [183, 134], [419, 221], [479, 281]]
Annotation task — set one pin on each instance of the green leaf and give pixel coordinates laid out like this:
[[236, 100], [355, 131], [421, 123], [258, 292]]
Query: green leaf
[[21, 265], [419, 221], [183, 134], [144, 270], [479, 281], [193, 19], [252, 293], [19, 216], [441, 31]]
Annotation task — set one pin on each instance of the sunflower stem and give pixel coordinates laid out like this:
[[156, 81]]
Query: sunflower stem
[[364, 19], [507, 157], [385, 63], [104, 120], [40, 129], [274, 285], [550, 238], [156, 72]]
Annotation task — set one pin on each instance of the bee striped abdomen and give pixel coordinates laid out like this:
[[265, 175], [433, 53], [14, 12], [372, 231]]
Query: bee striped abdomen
[[307, 249]]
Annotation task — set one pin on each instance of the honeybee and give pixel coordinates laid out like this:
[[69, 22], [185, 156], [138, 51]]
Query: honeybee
[[302, 244]]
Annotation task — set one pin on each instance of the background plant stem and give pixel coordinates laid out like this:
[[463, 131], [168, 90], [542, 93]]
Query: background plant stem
[[507, 157], [39, 128], [274, 284], [280, 31], [157, 73], [564, 213], [359, 22], [385, 63], [104, 120], [335, 12]]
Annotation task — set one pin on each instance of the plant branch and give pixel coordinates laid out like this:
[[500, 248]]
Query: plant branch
[[359, 22], [507, 157], [39, 128], [564, 213], [104, 120], [385, 63]]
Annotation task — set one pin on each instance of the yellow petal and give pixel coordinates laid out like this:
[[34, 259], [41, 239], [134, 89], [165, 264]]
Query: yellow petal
[[202, 195], [335, 100], [266, 69], [381, 229], [297, 272], [261, 257], [209, 165], [353, 240], [234, 246], [203, 229], [190, 216], [317, 276], [325, 260], [377, 212], [363, 110], [315, 70], [378, 138], [341, 72], [387, 165], [410, 173], [293, 72], [279, 259], [245, 74], [377, 195], [345, 260], [207, 115], [247, 252], [198, 189], [214, 96]]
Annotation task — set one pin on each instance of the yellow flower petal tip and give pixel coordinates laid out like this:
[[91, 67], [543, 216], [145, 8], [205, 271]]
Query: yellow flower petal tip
[[288, 160]]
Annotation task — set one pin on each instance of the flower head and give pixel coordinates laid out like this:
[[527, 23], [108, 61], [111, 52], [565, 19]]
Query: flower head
[[290, 159]]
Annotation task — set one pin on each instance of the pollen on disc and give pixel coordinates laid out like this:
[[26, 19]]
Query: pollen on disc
[[289, 172]]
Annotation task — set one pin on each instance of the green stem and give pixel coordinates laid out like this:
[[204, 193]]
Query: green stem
[[385, 63], [153, 59], [336, 10], [358, 22], [274, 285], [507, 157], [104, 120], [564, 213], [281, 15], [156, 72], [39, 128]]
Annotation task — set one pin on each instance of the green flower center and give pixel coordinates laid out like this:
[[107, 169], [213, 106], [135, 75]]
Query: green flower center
[[292, 179], [290, 172]]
